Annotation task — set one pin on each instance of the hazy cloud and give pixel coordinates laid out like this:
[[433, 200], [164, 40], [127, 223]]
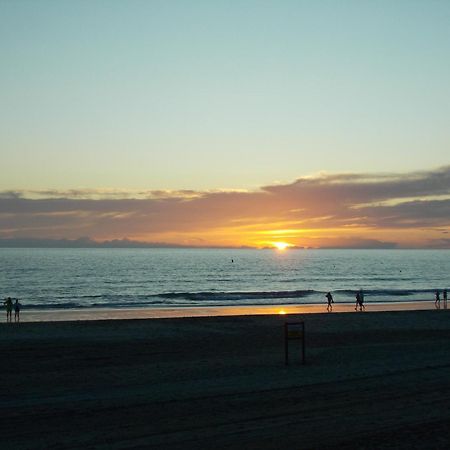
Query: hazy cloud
[[336, 208]]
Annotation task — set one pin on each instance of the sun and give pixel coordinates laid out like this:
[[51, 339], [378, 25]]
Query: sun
[[281, 245]]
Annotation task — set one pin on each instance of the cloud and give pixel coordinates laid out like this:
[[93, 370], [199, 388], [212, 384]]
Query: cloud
[[83, 242], [98, 194], [370, 210], [423, 213], [357, 243], [440, 243], [10, 194]]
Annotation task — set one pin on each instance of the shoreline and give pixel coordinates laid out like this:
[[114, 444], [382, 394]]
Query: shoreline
[[88, 314]]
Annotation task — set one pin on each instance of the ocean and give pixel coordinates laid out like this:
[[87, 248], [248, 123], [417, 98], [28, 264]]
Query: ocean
[[124, 278]]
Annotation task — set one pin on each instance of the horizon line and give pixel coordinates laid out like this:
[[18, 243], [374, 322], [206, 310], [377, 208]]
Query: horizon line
[[125, 243]]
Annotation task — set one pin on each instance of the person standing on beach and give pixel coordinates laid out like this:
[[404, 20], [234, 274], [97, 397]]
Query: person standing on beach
[[330, 301], [17, 306], [358, 301], [444, 297], [9, 305], [437, 300]]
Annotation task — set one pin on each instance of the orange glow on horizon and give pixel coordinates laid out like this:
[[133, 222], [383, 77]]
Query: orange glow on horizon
[[281, 245], [250, 237]]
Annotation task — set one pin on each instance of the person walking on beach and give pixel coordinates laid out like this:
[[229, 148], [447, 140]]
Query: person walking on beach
[[361, 300], [17, 306], [330, 301], [357, 301], [9, 305], [437, 300], [444, 297]]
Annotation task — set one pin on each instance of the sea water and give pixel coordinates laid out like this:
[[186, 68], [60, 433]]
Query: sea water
[[124, 278]]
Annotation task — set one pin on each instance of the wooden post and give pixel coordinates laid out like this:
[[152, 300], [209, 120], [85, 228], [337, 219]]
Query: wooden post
[[294, 331], [286, 345], [303, 344]]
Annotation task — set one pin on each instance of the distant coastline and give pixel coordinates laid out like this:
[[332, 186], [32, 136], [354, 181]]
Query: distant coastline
[[87, 242]]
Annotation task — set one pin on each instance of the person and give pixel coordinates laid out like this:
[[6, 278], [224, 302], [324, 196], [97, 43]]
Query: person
[[17, 306], [8, 304], [361, 300], [330, 301], [444, 297], [437, 300], [358, 301]]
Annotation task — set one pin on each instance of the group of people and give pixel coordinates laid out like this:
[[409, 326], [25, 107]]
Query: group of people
[[9, 305], [359, 301], [437, 299]]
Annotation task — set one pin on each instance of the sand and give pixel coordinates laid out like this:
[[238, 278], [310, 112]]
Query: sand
[[371, 380], [53, 315]]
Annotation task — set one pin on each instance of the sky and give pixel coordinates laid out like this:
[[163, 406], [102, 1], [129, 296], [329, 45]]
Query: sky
[[226, 123]]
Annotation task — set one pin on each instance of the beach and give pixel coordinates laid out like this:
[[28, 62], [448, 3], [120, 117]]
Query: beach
[[371, 380], [77, 314]]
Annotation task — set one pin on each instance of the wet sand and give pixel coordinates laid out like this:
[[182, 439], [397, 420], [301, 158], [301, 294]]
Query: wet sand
[[371, 380], [51, 315]]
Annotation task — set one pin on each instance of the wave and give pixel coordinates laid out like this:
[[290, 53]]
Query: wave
[[294, 294], [243, 295], [84, 305], [386, 292], [214, 298]]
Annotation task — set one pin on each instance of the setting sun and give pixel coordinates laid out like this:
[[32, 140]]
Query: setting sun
[[281, 245]]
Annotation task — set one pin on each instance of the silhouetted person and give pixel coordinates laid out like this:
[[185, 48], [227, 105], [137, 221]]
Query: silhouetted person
[[437, 300], [17, 306], [330, 301], [361, 300], [9, 305], [357, 301], [444, 297]]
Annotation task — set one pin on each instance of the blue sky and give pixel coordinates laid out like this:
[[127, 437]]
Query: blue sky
[[219, 95]]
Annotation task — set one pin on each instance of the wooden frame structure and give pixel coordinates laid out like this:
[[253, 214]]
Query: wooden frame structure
[[294, 331]]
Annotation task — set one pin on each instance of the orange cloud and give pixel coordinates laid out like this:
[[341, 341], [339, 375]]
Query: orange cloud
[[343, 210]]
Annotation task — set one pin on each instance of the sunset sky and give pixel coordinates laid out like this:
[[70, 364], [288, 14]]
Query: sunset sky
[[226, 123]]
